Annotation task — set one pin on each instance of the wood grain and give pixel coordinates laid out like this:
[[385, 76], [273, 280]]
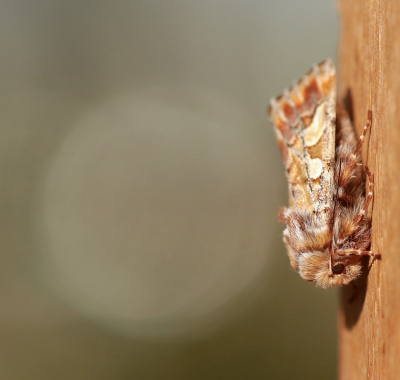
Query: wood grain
[[369, 66]]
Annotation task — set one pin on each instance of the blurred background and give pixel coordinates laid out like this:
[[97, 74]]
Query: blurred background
[[140, 183]]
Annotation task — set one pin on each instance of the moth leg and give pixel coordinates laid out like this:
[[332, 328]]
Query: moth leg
[[369, 197], [351, 158], [357, 253], [364, 132], [348, 172], [355, 156], [376, 257]]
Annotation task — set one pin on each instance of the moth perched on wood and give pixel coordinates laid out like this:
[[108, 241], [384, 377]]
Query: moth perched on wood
[[328, 227]]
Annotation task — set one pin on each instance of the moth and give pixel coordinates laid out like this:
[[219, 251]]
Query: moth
[[328, 227]]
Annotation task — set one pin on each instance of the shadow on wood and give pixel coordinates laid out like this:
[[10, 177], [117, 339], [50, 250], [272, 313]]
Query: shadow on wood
[[352, 296]]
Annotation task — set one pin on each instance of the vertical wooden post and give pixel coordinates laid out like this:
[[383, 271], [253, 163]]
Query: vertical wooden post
[[369, 78]]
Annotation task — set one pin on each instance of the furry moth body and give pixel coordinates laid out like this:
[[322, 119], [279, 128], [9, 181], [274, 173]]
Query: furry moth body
[[328, 228]]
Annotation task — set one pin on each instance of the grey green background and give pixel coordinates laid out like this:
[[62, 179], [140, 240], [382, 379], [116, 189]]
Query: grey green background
[[140, 182]]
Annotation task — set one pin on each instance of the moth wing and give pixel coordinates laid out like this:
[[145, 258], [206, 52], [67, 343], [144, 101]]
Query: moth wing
[[304, 119]]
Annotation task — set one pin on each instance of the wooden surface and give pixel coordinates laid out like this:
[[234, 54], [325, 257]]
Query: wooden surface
[[369, 78]]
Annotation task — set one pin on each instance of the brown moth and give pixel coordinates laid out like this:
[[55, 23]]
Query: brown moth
[[328, 227]]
